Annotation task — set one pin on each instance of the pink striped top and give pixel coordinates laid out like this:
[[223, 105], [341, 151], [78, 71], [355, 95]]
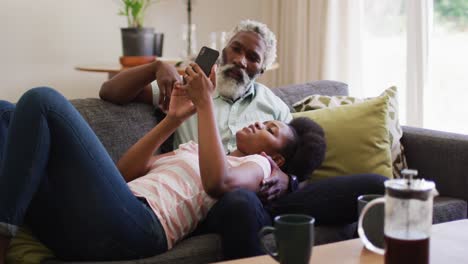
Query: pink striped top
[[174, 190]]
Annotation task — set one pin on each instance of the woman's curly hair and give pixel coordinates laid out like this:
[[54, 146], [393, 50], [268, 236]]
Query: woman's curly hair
[[306, 151]]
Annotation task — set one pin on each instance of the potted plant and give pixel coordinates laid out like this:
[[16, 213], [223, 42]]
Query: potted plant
[[136, 39]]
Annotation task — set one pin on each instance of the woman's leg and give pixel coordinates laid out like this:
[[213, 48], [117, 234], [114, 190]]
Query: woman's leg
[[330, 201], [6, 112], [56, 174]]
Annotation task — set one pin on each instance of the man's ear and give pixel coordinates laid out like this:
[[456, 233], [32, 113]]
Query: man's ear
[[278, 159], [262, 71]]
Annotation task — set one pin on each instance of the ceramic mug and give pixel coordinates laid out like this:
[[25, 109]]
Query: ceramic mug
[[373, 221], [294, 236]]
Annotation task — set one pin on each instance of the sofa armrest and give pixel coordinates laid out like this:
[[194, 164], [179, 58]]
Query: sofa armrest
[[439, 156]]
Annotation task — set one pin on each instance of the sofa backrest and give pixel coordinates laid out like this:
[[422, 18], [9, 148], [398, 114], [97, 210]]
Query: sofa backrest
[[120, 126], [291, 94], [117, 126]]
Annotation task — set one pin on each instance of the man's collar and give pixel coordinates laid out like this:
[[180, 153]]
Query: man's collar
[[250, 92]]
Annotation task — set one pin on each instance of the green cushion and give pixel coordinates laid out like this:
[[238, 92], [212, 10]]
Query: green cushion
[[25, 248], [317, 101], [357, 139]]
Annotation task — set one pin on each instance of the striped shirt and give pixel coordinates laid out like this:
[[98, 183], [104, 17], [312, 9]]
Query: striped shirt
[[174, 190]]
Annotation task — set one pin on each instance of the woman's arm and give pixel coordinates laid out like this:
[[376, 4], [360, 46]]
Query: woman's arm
[[217, 177], [247, 176], [137, 160]]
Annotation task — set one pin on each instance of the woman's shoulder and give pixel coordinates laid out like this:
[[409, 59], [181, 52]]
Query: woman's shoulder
[[257, 159]]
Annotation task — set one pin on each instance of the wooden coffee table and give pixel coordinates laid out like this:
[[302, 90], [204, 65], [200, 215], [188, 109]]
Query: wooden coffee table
[[449, 244]]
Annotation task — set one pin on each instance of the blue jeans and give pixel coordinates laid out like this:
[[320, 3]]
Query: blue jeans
[[239, 215], [56, 176]]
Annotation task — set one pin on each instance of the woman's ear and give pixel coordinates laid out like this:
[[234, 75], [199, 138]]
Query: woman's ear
[[278, 159]]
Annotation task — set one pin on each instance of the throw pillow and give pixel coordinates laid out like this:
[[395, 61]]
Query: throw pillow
[[314, 102], [26, 249], [357, 139]]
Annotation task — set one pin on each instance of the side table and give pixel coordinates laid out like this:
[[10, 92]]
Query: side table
[[113, 69]]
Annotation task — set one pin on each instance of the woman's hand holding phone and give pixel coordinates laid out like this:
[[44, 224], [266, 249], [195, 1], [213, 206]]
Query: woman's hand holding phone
[[200, 77], [199, 87]]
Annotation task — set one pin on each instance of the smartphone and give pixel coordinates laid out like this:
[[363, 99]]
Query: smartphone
[[206, 58]]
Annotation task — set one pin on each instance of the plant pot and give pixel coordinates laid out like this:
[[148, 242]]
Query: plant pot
[[131, 61], [138, 41]]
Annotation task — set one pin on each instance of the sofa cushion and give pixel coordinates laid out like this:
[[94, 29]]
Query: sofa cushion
[[26, 249], [356, 137], [316, 101], [117, 127], [293, 93], [196, 249], [448, 209]]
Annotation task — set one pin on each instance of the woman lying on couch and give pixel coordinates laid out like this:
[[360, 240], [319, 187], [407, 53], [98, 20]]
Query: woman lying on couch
[[56, 176]]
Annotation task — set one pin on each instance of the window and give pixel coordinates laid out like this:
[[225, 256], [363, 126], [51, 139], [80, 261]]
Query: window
[[384, 48], [445, 100], [392, 36]]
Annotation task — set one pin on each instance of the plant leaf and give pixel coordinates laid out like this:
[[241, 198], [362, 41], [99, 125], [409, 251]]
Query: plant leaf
[[135, 10]]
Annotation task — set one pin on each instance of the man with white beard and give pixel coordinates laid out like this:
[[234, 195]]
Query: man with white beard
[[239, 101]]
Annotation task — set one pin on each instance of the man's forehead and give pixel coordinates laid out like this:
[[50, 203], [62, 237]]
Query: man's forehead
[[248, 38]]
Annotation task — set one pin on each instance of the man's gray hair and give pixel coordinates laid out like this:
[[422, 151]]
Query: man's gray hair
[[268, 37]]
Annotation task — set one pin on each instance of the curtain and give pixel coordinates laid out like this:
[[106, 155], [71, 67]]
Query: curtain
[[319, 39], [419, 32]]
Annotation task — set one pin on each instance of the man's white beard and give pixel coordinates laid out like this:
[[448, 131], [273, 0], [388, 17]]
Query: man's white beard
[[230, 88]]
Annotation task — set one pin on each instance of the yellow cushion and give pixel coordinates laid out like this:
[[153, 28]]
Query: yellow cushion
[[357, 139], [316, 101], [26, 249]]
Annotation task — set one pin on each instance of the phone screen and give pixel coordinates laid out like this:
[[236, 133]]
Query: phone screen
[[206, 58]]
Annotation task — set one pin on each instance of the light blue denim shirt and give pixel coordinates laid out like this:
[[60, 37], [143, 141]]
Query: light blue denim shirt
[[258, 104]]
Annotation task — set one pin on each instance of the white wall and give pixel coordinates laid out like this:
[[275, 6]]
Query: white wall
[[41, 41]]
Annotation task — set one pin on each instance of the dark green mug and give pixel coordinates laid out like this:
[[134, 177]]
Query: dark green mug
[[294, 236]]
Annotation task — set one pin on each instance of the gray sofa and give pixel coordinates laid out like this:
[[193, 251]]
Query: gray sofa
[[436, 155]]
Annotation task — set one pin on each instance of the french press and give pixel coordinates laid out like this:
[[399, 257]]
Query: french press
[[408, 219]]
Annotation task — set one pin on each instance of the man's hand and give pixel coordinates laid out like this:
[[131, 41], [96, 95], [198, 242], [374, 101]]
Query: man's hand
[[166, 76], [276, 185]]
